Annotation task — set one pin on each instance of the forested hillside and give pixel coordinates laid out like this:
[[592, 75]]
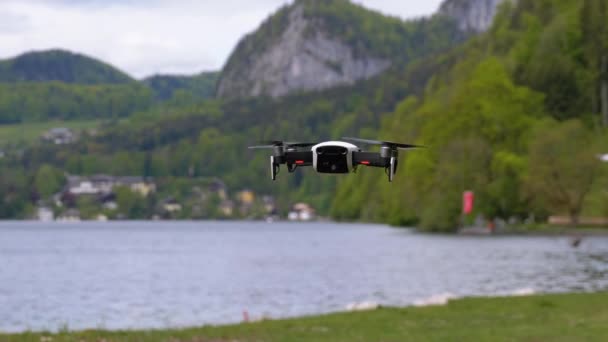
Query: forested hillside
[[183, 88], [61, 85], [518, 120], [42, 101], [62, 66]]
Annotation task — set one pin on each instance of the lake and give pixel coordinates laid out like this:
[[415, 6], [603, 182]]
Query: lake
[[127, 275]]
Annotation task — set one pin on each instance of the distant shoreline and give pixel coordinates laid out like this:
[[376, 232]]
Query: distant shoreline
[[539, 230]]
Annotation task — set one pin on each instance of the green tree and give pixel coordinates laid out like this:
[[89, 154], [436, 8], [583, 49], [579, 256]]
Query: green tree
[[594, 15], [131, 204], [14, 191], [563, 165], [48, 180]]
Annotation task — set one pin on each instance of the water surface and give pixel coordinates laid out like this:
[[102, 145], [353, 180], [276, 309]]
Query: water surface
[[166, 274]]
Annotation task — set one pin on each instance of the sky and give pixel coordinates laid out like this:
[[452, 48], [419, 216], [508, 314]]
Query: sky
[[145, 37]]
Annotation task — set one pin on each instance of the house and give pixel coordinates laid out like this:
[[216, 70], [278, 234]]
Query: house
[[101, 218], [227, 207], [65, 198], [171, 205], [104, 184], [45, 214], [301, 212], [246, 197], [78, 185], [108, 201], [269, 204], [71, 215], [138, 185], [217, 186], [59, 136]]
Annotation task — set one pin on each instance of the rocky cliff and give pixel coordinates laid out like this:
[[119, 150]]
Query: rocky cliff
[[471, 15], [298, 60], [313, 45]]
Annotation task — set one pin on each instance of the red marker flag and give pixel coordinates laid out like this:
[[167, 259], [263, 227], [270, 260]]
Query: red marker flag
[[468, 198]]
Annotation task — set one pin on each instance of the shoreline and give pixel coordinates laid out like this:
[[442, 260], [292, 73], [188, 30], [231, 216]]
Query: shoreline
[[579, 316], [533, 231]]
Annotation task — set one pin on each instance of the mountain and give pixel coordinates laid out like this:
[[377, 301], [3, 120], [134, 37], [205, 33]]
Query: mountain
[[61, 85], [200, 87], [471, 15], [60, 65], [313, 45]]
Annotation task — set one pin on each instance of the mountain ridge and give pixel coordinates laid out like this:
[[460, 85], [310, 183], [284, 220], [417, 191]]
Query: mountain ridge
[[314, 45], [60, 65]]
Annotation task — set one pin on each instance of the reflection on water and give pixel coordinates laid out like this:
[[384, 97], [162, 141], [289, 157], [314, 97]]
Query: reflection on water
[[142, 274]]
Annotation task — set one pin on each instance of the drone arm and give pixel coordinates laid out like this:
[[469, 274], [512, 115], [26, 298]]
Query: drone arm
[[298, 158], [370, 159]]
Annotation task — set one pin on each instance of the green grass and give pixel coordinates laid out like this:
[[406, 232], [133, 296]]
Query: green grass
[[29, 132], [569, 317]]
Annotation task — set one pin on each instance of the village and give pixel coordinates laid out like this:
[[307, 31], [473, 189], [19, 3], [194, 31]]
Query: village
[[105, 197]]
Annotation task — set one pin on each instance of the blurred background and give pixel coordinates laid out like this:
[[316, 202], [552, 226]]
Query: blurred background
[[143, 110], [140, 110]]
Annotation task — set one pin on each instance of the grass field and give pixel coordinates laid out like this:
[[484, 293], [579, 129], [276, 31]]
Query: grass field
[[569, 317], [28, 132]]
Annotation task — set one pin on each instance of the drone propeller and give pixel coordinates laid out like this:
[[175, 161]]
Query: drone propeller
[[268, 144], [300, 144], [278, 143], [392, 145]]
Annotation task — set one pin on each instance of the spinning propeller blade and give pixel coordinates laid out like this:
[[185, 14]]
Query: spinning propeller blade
[[299, 144], [260, 147], [278, 143], [383, 143]]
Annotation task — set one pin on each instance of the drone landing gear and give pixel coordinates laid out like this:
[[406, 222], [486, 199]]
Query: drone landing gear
[[391, 169], [274, 168]]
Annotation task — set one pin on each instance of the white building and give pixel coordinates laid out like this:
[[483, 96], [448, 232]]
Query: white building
[[301, 212], [103, 184], [72, 215], [45, 214], [59, 136]]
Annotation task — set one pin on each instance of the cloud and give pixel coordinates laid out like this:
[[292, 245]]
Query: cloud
[[144, 37], [11, 23]]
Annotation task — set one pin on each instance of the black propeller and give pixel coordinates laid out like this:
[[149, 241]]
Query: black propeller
[[390, 144], [278, 143]]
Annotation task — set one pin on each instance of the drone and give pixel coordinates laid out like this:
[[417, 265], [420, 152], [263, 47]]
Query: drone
[[334, 157]]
